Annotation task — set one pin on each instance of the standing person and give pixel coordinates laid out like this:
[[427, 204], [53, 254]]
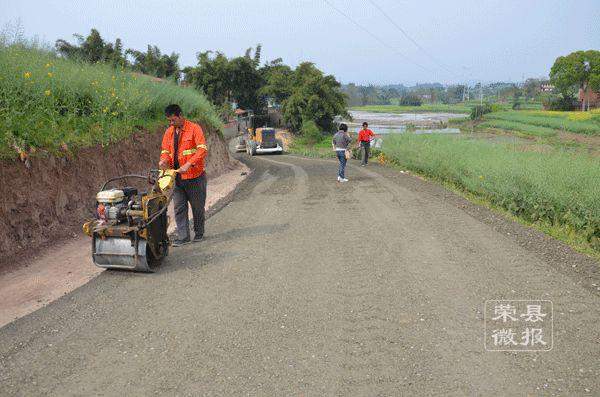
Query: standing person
[[364, 142], [340, 142], [184, 149]]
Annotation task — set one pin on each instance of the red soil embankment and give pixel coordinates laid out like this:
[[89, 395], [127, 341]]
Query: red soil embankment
[[49, 201]]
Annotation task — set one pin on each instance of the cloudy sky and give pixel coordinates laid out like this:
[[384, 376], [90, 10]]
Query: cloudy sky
[[363, 41]]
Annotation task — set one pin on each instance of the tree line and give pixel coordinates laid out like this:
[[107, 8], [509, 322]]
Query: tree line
[[569, 74], [397, 94], [94, 48], [304, 93]]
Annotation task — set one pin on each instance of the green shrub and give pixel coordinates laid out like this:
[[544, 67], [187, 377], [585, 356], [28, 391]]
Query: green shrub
[[310, 132], [478, 111], [496, 107], [560, 103], [410, 100]]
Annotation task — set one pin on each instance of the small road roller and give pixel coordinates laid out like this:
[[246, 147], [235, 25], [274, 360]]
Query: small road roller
[[129, 231]]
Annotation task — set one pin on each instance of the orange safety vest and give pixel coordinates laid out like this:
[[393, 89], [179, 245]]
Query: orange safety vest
[[191, 148]]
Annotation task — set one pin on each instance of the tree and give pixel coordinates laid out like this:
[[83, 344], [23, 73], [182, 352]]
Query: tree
[[211, 76], [90, 49], [532, 88], [277, 79], [455, 93], [578, 70], [246, 82], [118, 57], [410, 99], [225, 80], [315, 97], [154, 63], [94, 48]]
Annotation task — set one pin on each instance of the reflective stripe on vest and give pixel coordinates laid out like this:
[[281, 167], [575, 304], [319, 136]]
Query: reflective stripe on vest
[[188, 152]]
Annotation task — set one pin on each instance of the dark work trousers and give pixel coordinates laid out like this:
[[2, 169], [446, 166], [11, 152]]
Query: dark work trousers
[[191, 191], [365, 148]]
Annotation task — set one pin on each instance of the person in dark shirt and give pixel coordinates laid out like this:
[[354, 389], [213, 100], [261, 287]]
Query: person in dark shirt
[[340, 143]]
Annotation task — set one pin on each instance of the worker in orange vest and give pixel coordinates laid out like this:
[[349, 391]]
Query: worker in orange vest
[[184, 149]]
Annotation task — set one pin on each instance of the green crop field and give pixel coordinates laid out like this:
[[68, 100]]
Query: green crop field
[[544, 123], [525, 129], [51, 103], [556, 188]]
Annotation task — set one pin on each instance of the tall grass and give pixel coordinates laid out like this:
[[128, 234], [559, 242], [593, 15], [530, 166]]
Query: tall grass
[[52, 103], [554, 187], [576, 122]]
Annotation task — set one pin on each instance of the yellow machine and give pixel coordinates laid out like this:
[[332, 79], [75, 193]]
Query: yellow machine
[[262, 140], [130, 229], [258, 140]]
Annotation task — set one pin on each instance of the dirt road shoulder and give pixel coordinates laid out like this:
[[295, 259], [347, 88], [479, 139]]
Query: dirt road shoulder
[[56, 272]]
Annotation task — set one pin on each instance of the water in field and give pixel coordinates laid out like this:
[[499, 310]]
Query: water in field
[[389, 123]]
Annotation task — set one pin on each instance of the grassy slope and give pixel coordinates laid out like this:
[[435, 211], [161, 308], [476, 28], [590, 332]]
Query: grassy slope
[[52, 103]]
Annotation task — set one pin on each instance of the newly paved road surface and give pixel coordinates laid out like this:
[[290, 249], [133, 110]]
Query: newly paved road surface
[[307, 287]]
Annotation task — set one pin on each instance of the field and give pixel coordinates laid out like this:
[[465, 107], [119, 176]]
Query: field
[[436, 108], [54, 104], [463, 107], [544, 123], [557, 189]]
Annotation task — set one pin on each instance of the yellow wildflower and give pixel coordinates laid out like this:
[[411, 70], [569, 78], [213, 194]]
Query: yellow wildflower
[[48, 64], [50, 74], [114, 113], [27, 75], [105, 110], [47, 92]]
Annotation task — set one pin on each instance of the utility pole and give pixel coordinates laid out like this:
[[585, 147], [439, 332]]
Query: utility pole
[[586, 67], [480, 93]]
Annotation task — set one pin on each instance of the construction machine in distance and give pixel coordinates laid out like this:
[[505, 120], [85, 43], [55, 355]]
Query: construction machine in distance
[[129, 231], [259, 140]]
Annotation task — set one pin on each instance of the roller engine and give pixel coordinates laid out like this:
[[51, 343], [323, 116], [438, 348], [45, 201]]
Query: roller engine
[[130, 228]]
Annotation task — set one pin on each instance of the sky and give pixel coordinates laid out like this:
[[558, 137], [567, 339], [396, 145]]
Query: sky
[[448, 41]]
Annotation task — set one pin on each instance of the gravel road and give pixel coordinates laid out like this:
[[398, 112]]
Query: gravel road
[[307, 287]]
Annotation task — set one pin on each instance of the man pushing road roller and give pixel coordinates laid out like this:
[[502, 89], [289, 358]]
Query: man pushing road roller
[[184, 149]]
